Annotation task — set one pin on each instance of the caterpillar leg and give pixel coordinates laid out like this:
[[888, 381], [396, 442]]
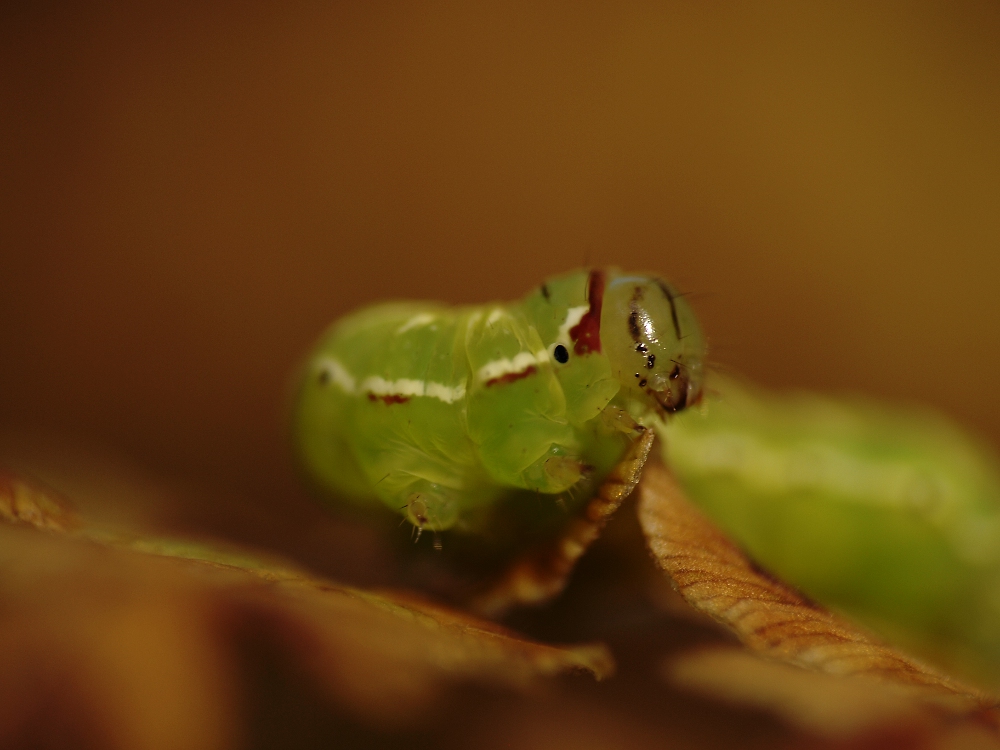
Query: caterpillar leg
[[620, 420], [542, 573], [430, 506], [555, 472]]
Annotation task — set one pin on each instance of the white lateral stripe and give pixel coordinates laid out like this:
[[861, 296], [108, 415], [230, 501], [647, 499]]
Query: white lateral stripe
[[448, 394], [495, 315], [418, 320], [413, 388], [573, 316], [338, 373], [382, 387], [521, 362]]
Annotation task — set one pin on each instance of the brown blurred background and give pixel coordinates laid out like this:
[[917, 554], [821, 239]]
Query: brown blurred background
[[190, 194]]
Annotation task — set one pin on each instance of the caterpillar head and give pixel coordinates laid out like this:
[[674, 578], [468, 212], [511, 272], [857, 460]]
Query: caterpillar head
[[654, 343]]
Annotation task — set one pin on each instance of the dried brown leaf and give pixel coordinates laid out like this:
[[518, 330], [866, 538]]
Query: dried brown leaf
[[770, 617], [833, 706], [106, 649], [26, 502], [137, 634]]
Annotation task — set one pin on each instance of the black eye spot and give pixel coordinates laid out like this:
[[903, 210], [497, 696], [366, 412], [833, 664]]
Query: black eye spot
[[650, 361], [641, 348], [675, 373], [560, 354], [642, 383], [324, 376]]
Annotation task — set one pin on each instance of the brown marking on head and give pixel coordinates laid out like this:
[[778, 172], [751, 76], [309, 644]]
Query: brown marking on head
[[669, 294], [633, 327], [586, 335], [510, 377], [388, 398], [633, 317]]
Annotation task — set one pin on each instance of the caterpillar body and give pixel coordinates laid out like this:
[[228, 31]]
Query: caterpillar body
[[437, 411]]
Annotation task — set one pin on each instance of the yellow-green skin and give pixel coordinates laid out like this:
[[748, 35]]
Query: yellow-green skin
[[890, 514], [436, 411]]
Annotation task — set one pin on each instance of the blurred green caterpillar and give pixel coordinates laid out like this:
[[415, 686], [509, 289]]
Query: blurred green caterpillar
[[892, 515], [437, 412]]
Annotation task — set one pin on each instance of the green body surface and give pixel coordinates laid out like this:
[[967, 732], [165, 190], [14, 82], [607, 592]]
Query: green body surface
[[438, 412], [891, 515]]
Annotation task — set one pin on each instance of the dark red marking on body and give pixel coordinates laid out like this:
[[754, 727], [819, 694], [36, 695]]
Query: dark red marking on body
[[586, 334], [388, 398], [510, 377]]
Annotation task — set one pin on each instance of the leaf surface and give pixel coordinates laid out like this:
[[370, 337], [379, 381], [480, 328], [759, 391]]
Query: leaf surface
[[779, 623], [139, 635]]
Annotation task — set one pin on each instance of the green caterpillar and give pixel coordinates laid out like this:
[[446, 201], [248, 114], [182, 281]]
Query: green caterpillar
[[892, 515], [438, 412]]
